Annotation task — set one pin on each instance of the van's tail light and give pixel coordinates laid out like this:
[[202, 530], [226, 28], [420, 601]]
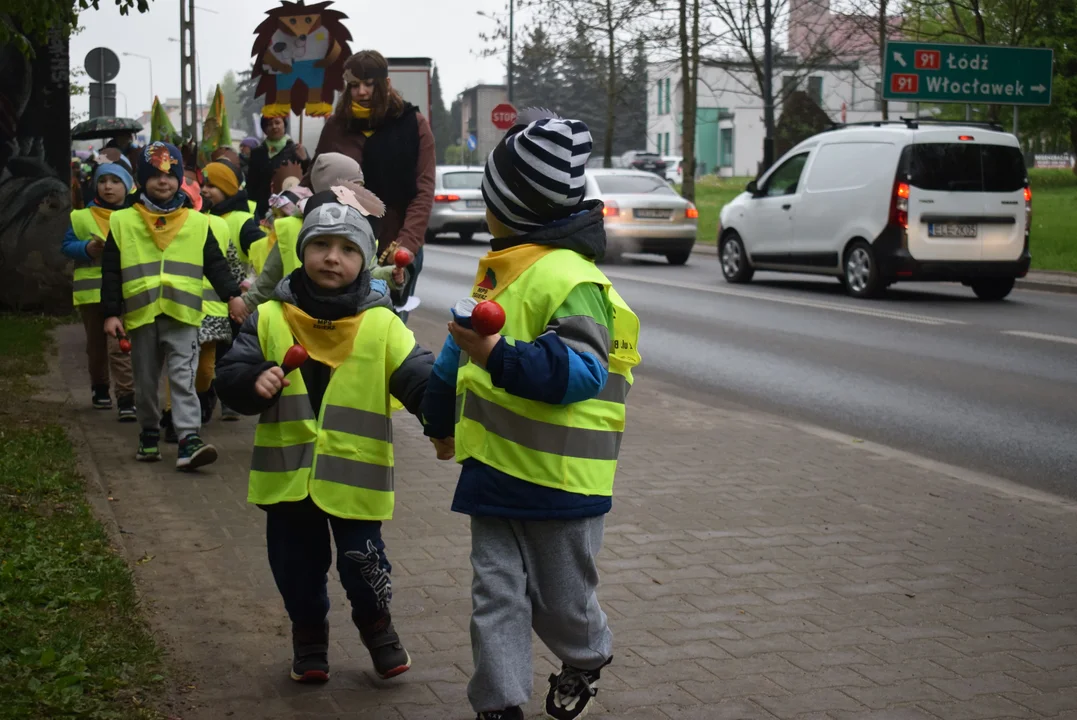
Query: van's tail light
[[446, 198], [899, 205], [1028, 209], [691, 212], [611, 209]]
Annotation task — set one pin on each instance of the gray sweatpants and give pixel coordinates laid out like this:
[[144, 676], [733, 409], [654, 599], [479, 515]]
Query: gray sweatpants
[[173, 344], [539, 575]]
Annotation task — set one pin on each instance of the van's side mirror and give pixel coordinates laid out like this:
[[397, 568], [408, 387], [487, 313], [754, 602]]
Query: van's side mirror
[[753, 188]]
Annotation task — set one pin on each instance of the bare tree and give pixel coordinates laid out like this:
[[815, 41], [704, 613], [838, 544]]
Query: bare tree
[[689, 13]]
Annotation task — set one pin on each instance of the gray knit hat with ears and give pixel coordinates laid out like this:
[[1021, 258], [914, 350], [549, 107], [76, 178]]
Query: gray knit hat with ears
[[332, 218]]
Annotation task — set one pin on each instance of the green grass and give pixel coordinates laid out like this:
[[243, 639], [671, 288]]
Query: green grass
[[72, 642], [1054, 222]]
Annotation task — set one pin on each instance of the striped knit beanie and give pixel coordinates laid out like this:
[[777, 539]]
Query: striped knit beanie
[[535, 174]]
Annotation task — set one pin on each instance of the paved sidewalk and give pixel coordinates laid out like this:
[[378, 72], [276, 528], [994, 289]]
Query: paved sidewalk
[[752, 569]]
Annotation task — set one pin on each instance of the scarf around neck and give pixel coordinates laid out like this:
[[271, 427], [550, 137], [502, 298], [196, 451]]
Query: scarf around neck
[[172, 205], [328, 304], [275, 146]]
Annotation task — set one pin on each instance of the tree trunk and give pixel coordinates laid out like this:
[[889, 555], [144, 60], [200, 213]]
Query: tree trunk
[[882, 50], [611, 85], [688, 105]]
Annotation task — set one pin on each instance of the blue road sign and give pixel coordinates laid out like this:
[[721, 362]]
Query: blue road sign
[[472, 143]]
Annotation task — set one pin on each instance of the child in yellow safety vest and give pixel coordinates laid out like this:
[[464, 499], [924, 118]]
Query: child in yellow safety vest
[[537, 414], [323, 452], [153, 264], [84, 243]]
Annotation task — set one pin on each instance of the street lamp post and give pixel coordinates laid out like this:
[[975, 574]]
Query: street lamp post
[[150, 61], [512, 38]]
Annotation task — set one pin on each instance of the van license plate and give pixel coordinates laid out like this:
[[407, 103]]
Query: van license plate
[[475, 203], [954, 230]]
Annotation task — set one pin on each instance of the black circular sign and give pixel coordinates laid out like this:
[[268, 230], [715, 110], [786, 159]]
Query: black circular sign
[[102, 65]]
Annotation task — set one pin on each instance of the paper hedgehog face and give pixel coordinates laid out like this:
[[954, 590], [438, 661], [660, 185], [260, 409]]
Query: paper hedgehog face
[[158, 156]]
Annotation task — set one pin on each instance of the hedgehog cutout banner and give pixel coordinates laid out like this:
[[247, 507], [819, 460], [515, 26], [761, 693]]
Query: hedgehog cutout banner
[[299, 54]]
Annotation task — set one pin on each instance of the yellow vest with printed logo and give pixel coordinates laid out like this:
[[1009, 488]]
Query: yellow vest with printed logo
[[157, 281], [86, 288], [343, 457], [569, 447], [211, 302]]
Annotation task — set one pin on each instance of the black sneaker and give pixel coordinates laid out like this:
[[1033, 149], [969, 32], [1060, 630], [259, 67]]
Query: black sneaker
[[571, 692], [310, 653], [512, 713], [228, 414], [101, 400], [126, 404], [168, 428], [148, 440], [193, 453], [388, 654]]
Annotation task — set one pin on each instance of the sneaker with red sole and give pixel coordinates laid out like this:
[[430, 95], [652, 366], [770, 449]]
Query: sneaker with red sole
[[386, 651], [310, 653]]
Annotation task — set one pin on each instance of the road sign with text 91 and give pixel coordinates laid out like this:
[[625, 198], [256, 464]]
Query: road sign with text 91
[[907, 83], [928, 59]]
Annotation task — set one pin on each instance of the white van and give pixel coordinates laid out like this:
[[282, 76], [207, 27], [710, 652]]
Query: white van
[[878, 203]]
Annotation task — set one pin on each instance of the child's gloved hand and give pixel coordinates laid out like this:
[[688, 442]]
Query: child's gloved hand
[[270, 382], [394, 276], [446, 447]]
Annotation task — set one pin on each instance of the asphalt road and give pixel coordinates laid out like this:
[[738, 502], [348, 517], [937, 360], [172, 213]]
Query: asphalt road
[[929, 369]]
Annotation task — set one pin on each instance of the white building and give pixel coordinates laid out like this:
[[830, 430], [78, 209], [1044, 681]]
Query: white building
[[729, 120]]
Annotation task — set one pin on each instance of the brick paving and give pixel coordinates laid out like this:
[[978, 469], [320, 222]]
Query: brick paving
[[751, 569]]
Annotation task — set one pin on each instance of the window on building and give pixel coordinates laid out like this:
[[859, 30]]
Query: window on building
[[789, 85], [878, 97], [660, 98], [815, 89], [658, 144], [667, 145], [726, 156], [668, 104]]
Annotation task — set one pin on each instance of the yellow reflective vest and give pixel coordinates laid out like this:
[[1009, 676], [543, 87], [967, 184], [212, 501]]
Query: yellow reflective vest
[[88, 224], [159, 281], [343, 457], [569, 447], [236, 220], [287, 229], [211, 302]]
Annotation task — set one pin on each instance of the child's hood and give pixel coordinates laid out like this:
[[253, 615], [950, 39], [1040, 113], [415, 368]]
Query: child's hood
[[583, 232]]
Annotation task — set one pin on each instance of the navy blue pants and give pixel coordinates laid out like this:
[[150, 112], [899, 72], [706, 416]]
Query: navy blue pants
[[297, 534]]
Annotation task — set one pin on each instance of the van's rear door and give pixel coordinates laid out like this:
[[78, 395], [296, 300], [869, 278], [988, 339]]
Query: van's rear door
[[966, 196]]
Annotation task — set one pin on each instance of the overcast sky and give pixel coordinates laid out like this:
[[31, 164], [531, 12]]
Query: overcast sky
[[224, 32]]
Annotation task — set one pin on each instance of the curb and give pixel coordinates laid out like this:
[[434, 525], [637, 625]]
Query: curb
[[1067, 284]]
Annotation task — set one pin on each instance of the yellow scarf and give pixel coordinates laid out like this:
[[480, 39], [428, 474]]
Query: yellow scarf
[[361, 113], [163, 227], [497, 270], [101, 216], [329, 342]]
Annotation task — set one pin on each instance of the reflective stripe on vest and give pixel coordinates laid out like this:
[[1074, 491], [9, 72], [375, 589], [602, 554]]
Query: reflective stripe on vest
[[212, 304], [86, 287], [159, 282], [568, 447], [343, 459], [287, 230]]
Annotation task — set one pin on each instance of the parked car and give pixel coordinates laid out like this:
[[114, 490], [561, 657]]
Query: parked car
[[643, 160], [674, 168], [879, 203], [458, 204], [643, 214]]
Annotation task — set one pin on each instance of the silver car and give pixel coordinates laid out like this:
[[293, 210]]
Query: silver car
[[643, 214], [458, 204]]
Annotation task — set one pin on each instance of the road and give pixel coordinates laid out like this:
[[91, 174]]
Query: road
[[928, 369]]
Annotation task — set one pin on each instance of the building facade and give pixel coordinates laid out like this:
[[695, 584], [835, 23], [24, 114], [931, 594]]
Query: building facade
[[476, 107]]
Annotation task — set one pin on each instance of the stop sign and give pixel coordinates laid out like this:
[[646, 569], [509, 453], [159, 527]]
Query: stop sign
[[503, 116]]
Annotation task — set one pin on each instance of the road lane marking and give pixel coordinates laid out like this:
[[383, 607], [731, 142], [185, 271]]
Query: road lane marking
[[784, 300], [1041, 336]]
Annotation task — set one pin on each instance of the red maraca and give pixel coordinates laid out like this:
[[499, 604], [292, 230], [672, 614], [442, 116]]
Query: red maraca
[[125, 344], [402, 258], [296, 356], [487, 318]]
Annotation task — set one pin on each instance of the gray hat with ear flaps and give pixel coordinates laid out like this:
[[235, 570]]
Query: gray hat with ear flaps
[[335, 219]]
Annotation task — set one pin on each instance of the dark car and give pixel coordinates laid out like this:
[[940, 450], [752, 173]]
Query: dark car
[[646, 161]]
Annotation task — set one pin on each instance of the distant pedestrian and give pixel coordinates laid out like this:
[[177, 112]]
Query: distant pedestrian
[[277, 150], [538, 414]]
